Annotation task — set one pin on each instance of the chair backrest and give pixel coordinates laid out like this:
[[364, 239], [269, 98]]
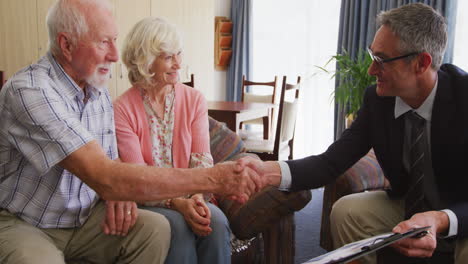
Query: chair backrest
[[287, 114], [191, 83], [251, 97], [1, 80]]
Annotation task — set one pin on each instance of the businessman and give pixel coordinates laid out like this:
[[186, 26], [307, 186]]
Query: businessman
[[416, 120]]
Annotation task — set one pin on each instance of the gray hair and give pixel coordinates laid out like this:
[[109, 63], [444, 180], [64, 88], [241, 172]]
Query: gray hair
[[146, 41], [420, 29], [69, 16]]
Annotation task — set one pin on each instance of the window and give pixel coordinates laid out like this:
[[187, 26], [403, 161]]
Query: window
[[460, 52], [291, 38]]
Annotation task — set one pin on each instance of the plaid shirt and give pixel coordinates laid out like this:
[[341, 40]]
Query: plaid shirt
[[43, 120]]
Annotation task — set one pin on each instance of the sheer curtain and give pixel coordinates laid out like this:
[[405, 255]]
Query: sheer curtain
[[460, 50], [292, 38]]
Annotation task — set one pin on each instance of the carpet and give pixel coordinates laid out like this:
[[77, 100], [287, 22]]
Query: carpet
[[307, 233]]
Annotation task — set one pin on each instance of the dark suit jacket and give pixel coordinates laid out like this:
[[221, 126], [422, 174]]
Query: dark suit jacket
[[376, 127]]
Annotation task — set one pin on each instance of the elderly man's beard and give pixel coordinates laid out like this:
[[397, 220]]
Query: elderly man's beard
[[99, 80]]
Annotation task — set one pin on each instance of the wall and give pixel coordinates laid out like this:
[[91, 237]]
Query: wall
[[222, 8], [200, 57], [194, 20]]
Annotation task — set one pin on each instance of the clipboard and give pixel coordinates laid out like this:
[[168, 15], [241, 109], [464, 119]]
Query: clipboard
[[363, 247]]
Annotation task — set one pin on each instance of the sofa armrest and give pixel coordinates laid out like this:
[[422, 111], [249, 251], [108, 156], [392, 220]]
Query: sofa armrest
[[263, 210], [364, 175], [269, 212]]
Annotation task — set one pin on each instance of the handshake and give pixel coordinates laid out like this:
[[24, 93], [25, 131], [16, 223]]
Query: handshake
[[241, 179]]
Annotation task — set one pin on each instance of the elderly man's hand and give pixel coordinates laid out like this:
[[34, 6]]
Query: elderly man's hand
[[120, 217], [235, 181], [421, 247], [269, 171]]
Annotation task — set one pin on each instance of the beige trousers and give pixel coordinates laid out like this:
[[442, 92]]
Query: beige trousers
[[362, 215], [147, 241]]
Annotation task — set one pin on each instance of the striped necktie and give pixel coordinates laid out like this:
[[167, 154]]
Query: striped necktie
[[414, 201]]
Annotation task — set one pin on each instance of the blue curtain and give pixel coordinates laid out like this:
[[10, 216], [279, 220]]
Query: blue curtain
[[357, 29], [241, 47]]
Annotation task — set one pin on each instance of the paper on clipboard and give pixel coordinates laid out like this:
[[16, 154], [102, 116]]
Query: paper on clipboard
[[363, 247]]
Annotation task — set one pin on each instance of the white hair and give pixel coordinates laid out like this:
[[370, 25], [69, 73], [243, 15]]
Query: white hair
[[146, 41], [70, 16]]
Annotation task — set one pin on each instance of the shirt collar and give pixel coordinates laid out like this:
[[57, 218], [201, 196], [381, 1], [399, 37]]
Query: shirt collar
[[69, 85], [425, 110]]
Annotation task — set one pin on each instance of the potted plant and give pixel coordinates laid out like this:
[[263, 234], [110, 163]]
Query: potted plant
[[352, 80]]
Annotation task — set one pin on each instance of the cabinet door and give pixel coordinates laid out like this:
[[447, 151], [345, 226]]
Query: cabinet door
[[195, 21], [127, 14], [18, 33], [112, 84], [43, 36]]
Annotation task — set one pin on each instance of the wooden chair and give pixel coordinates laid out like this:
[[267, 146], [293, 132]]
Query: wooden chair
[[191, 83], [257, 98], [1, 79], [284, 135]]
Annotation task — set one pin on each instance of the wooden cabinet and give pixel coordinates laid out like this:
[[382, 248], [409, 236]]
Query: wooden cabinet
[[24, 37], [43, 35], [195, 21], [18, 31], [127, 14]]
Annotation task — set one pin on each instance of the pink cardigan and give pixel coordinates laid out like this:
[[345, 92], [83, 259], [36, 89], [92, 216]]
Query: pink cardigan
[[191, 134]]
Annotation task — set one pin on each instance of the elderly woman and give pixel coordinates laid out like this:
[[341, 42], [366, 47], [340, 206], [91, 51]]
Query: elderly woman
[[161, 122]]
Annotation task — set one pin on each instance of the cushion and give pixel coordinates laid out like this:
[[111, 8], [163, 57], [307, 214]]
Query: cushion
[[365, 174], [224, 143], [262, 210]]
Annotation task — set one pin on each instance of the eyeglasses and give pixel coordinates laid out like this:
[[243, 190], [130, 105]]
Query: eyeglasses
[[380, 62]]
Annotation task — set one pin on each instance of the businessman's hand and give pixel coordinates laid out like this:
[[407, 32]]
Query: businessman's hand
[[235, 181], [269, 171], [421, 247]]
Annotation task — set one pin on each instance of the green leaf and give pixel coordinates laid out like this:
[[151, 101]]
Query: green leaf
[[353, 79]]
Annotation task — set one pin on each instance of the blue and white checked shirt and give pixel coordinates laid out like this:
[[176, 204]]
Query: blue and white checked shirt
[[43, 120]]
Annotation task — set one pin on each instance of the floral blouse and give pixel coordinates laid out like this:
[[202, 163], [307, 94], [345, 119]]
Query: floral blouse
[[161, 136]]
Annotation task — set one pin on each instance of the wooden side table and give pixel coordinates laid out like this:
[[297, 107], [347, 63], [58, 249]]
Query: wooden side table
[[233, 113]]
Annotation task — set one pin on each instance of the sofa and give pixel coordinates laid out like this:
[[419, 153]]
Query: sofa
[[364, 175], [266, 222]]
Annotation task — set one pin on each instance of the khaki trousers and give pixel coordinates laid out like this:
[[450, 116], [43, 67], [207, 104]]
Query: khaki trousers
[[362, 215], [147, 241]]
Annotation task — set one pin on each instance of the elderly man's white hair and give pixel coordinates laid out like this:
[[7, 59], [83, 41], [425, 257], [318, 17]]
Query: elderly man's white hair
[[69, 16]]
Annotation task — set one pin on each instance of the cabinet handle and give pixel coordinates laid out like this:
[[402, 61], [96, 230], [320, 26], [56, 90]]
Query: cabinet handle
[[121, 73]]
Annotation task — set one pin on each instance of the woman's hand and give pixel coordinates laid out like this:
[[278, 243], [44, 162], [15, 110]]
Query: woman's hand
[[196, 213]]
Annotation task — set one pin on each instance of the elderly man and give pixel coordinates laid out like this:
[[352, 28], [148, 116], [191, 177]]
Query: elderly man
[[58, 157], [415, 119]]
